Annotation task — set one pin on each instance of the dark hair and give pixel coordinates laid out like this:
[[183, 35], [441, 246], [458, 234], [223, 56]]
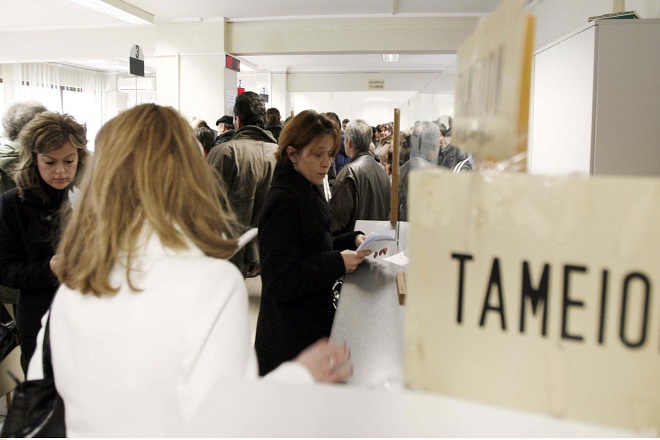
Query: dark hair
[[334, 118], [205, 136], [345, 121], [250, 109], [273, 116], [302, 130]]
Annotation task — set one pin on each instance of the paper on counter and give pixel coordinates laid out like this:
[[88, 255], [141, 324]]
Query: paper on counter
[[378, 240], [399, 259]]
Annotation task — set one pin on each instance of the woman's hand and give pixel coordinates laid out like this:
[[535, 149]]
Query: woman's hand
[[54, 263], [353, 258], [359, 239], [327, 361]]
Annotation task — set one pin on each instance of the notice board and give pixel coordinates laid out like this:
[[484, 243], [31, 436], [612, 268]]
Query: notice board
[[537, 293]]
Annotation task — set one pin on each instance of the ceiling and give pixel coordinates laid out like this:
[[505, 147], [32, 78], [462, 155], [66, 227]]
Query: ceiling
[[27, 15]]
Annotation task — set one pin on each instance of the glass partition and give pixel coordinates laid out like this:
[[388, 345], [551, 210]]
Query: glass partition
[[433, 101]]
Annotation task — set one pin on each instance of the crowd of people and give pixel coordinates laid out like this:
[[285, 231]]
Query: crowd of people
[[139, 273]]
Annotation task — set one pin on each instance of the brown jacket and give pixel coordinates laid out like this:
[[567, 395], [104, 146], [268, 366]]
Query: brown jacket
[[246, 164]]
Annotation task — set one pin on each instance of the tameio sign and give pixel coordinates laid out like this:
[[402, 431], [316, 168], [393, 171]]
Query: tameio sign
[[632, 300], [539, 293]]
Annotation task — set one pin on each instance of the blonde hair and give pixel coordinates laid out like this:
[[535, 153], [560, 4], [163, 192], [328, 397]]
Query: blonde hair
[[147, 171], [46, 132]]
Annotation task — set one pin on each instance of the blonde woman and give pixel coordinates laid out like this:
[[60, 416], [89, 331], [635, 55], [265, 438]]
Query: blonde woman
[[150, 313], [52, 154]]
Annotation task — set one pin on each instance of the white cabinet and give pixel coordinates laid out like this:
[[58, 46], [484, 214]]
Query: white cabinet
[[596, 101]]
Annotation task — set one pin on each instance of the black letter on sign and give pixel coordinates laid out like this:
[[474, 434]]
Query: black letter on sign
[[624, 306], [603, 308], [495, 279], [535, 295], [461, 277], [568, 302]]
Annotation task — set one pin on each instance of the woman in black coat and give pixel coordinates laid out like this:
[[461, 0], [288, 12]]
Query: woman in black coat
[[300, 260], [52, 154]]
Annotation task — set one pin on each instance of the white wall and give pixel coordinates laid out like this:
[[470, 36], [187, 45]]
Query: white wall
[[374, 107], [190, 70]]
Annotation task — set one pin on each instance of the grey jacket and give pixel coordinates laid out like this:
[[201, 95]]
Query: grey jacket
[[414, 163], [362, 191]]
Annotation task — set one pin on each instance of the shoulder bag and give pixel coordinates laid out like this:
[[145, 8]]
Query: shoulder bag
[[8, 333], [37, 409]]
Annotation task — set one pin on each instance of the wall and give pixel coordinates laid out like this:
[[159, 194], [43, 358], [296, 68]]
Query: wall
[[190, 71]]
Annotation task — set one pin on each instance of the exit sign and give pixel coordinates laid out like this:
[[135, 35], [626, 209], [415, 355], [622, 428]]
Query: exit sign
[[232, 63], [376, 84]]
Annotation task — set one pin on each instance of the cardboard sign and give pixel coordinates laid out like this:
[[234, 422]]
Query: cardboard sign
[[538, 293], [493, 85]]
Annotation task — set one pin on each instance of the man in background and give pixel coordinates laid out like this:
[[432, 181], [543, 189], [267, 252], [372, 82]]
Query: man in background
[[225, 126], [362, 188], [424, 149], [15, 118], [246, 165], [451, 156]]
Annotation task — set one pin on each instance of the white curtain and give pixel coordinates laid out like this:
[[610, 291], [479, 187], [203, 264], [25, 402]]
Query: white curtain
[[64, 89]]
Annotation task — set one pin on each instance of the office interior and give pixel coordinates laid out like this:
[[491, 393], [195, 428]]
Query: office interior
[[304, 54]]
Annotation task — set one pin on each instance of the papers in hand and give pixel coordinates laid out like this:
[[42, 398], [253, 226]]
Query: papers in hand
[[378, 240], [247, 237]]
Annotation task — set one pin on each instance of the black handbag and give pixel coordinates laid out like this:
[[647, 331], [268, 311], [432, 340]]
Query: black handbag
[[8, 334], [37, 409]]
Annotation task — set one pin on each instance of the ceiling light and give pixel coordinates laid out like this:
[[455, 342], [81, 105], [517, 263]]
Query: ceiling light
[[390, 57], [119, 10]]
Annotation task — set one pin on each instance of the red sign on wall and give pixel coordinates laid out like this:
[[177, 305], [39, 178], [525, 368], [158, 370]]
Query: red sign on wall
[[232, 63]]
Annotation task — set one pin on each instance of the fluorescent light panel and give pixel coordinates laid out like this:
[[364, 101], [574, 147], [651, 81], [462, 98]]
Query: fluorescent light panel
[[390, 57], [119, 10]]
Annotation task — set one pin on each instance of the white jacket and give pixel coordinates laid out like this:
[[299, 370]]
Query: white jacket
[[138, 364]]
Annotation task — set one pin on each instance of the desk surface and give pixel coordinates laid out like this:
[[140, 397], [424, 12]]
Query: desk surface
[[369, 317], [258, 408]]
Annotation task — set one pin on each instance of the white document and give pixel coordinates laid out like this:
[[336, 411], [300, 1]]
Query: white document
[[399, 259], [378, 240], [247, 237]]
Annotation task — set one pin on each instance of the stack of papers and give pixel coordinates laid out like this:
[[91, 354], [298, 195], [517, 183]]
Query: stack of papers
[[378, 240]]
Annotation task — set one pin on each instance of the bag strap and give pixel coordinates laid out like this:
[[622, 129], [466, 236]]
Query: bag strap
[[46, 357], [459, 166]]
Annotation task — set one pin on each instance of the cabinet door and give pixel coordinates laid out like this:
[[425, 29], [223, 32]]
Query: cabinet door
[[627, 128], [562, 107]]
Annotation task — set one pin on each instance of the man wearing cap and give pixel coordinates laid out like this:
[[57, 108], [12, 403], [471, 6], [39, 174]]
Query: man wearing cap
[[451, 156], [225, 129], [246, 165]]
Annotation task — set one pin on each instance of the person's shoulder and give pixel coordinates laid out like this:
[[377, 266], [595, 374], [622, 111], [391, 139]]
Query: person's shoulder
[[208, 274], [10, 196], [219, 151]]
